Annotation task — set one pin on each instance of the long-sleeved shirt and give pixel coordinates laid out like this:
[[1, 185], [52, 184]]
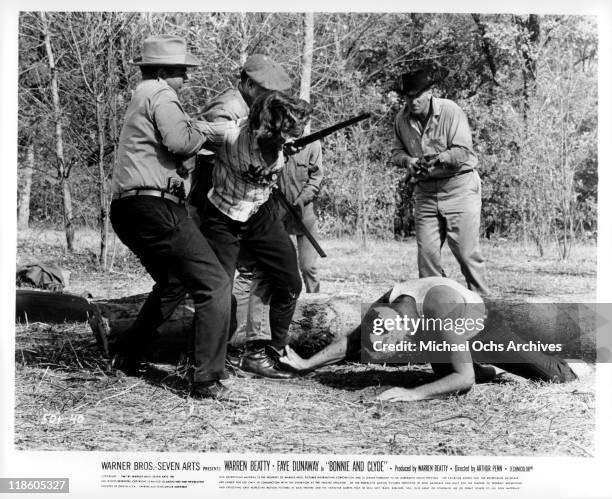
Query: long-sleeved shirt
[[446, 133], [227, 106], [302, 178], [157, 135], [242, 179]]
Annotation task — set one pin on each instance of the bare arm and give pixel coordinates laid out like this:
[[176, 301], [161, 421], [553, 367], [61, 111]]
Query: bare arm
[[331, 354], [457, 377]]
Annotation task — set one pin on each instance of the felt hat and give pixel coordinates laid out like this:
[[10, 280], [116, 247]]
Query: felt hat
[[165, 50], [266, 73], [418, 81]]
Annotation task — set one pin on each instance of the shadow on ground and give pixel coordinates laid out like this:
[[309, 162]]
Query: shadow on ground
[[348, 378]]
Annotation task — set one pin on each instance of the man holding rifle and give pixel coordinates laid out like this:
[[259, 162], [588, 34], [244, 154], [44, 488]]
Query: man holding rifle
[[300, 181], [434, 143]]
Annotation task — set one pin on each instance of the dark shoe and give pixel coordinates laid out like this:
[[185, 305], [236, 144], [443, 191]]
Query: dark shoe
[[217, 391], [130, 365], [233, 360], [273, 352], [259, 362], [209, 390]]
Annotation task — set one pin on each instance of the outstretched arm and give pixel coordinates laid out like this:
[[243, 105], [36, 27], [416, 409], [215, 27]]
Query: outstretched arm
[[331, 354], [456, 377], [343, 346]]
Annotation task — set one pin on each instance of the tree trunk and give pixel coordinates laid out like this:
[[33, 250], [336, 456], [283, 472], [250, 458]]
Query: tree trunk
[[320, 318], [244, 37], [67, 209], [529, 36], [62, 171], [307, 51], [486, 47], [23, 209], [103, 195], [362, 220]]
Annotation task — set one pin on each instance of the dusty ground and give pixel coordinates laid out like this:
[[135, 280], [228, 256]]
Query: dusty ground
[[66, 400]]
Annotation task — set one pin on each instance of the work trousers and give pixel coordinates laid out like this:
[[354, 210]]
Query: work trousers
[[308, 256], [449, 209], [266, 240], [180, 260], [253, 290]]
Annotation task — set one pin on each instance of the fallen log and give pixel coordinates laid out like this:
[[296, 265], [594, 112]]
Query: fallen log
[[319, 318], [33, 305]]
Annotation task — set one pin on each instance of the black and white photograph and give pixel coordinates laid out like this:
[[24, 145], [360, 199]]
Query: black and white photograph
[[339, 233]]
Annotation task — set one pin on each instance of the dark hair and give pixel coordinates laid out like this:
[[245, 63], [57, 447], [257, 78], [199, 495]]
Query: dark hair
[[274, 112], [243, 76], [149, 72], [154, 72]]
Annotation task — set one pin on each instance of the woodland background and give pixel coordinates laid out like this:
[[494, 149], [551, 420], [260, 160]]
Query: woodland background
[[528, 86], [527, 83]]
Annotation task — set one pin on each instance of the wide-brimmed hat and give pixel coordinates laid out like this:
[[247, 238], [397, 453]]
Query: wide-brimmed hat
[[266, 73], [418, 81], [165, 50]]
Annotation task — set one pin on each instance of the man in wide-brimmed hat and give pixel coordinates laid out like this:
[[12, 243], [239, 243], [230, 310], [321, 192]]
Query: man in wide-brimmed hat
[[148, 214], [433, 143]]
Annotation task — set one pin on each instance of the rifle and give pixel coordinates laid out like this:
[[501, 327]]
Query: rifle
[[299, 144], [422, 167], [321, 134], [298, 219]]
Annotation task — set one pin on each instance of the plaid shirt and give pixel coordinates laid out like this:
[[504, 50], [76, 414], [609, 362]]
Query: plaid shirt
[[242, 181]]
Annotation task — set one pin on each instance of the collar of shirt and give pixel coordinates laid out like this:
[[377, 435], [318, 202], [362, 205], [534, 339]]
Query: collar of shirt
[[157, 82]]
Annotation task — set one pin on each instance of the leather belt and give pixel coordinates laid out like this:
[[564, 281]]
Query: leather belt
[[431, 179], [158, 193]]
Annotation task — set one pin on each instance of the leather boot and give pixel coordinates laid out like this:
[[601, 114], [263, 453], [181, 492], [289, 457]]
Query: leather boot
[[257, 361], [233, 358]]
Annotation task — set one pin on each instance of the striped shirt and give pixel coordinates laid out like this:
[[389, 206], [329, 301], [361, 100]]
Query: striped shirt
[[242, 180]]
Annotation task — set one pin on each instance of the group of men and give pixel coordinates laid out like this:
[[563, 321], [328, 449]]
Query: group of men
[[235, 226], [244, 132]]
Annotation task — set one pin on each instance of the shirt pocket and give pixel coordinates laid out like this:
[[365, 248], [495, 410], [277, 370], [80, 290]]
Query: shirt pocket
[[301, 172]]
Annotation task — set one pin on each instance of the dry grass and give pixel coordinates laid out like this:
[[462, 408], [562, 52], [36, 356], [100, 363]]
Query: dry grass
[[59, 372]]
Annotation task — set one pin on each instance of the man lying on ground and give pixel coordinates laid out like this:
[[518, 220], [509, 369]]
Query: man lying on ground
[[444, 299]]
